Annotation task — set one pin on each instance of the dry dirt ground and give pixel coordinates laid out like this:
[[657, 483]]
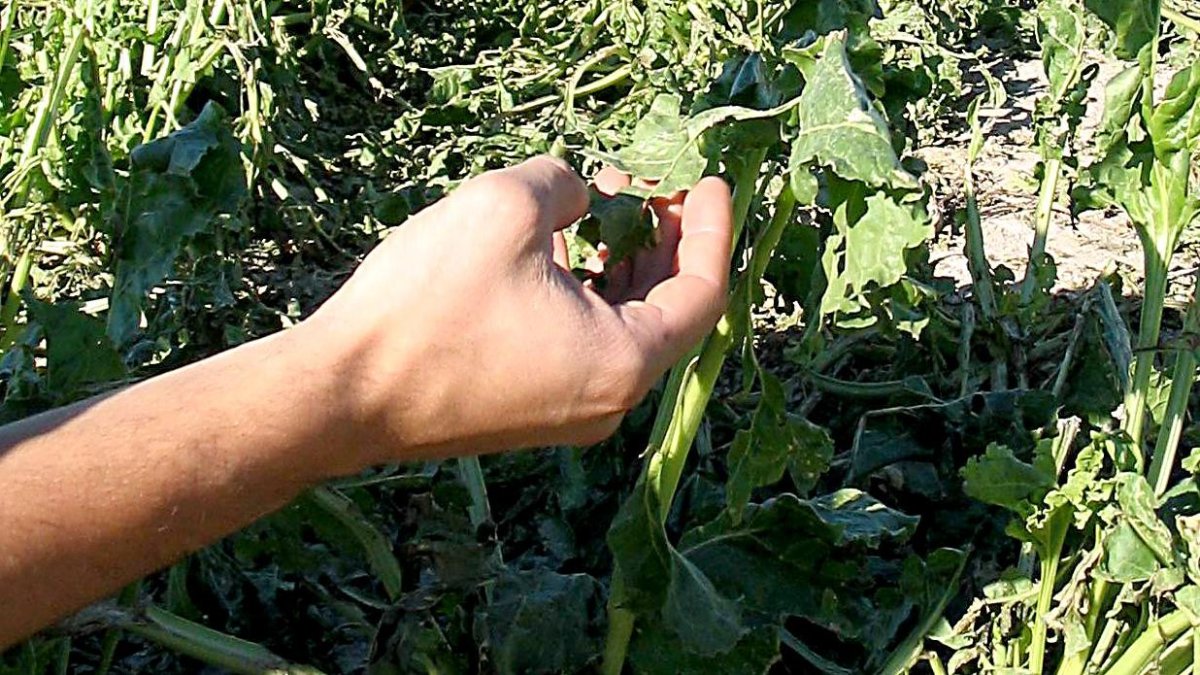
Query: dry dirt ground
[[1083, 248]]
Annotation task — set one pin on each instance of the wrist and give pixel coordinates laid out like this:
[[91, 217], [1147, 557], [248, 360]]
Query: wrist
[[370, 411]]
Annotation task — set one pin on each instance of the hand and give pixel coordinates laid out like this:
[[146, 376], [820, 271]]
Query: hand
[[464, 332]]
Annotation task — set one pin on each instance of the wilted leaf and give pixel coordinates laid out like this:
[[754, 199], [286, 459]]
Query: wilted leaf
[[999, 478], [839, 128], [78, 352], [622, 222], [177, 188], [539, 621], [1133, 22], [775, 443]]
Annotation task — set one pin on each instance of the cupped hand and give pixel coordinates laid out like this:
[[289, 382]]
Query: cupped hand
[[463, 332]]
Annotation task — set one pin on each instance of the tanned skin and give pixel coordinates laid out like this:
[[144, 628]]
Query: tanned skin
[[461, 333]]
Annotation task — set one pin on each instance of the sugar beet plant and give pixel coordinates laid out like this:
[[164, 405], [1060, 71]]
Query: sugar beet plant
[[1109, 516], [836, 496]]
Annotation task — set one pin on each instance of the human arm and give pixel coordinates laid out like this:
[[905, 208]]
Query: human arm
[[461, 333]]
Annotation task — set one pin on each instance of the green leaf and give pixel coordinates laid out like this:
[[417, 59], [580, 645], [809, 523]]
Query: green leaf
[[1127, 559], [539, 621], [661, 148], [1188, 599], [870, 253], [78, 352], [809, 558], [776, 442], [1134, 23], [706, 623], [875, 244], [642, 555], [177, 188], [999, 478], [1175, 123], [622, 222], [840, 128], [1138, 505], [847, 517], [1139, 544], [665, 146], [655, 650], [1061, 32]]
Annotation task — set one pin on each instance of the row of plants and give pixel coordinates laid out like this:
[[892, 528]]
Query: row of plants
[[862, 469]]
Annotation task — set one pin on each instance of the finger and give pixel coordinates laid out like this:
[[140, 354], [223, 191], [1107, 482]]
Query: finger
[[681, 310], [619, 278], [610, 181], [652, 266], [544, 191], [562, 257]]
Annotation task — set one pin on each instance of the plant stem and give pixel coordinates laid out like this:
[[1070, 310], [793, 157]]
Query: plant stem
[[1150, 644], [981, 271], [375, 545], [1042, 217], [8, 314], [1149, 328], [1182, 379], [1060, 523], [679, 416], [1180, 19], [112, 636], [209, 646], [6, 24]]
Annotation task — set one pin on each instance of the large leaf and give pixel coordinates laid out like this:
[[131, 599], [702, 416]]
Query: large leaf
[[809, 558], [840, 128], [665, 146], [1145, 164], [539, 621], [177, 188], [776, 442], [1134, 23], [654, 577], [870, 248], [999, 478], [705, 622], [78, 352], [657, 651]]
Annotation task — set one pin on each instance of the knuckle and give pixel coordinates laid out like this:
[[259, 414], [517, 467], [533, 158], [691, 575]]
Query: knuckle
[[500, 194], [630, 385]]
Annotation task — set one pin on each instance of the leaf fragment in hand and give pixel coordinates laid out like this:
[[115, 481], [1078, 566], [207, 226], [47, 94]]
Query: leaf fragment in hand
[[621, 222]]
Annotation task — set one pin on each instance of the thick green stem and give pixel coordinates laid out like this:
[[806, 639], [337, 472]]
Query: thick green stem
[[1150, 644], [376, 546], [1180, 19], [977, 262], [47, 112], [6, 25], [210, 646], [1182, 379], [689, 388], [1149, 328], [8, 314], [1046, 584], [1041, 227]]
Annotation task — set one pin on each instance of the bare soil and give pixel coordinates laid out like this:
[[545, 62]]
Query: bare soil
[[1083, 248]]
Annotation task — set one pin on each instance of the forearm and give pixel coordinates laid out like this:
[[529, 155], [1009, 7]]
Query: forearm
[[102, 492]]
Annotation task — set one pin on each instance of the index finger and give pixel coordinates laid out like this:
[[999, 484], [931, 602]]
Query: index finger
[[678, 312]]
